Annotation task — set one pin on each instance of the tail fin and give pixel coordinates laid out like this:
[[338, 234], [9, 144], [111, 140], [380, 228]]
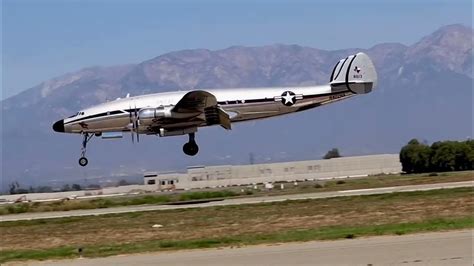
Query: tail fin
[[355, 73]]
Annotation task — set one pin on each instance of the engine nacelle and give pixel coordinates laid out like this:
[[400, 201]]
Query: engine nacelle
[[148, 116]]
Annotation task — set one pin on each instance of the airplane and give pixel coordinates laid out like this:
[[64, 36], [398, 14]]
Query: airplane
[[183, 112]]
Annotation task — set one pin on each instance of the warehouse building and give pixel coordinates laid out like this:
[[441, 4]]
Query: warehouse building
[[231, 175]]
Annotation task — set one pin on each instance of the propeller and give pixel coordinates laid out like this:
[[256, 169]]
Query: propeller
[[131, 123], [136, 123]]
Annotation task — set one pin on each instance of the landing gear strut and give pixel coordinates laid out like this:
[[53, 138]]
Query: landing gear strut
[[191, 148], [86, 137]]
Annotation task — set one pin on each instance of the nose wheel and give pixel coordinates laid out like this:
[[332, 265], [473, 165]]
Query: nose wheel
[[86, 137], [191, 148], [83, 161]]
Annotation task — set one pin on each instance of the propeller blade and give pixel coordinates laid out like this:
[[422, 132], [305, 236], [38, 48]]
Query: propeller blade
[[131, 122], [136, 123]]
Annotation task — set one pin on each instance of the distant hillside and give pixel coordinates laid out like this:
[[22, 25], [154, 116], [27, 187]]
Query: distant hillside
[[424, 91]]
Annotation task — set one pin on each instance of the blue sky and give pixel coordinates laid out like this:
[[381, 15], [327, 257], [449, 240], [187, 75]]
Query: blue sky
[[44, 39]]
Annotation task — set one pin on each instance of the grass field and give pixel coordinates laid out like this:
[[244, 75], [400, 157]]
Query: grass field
[[290, 188], [302, 220], [380, 181]]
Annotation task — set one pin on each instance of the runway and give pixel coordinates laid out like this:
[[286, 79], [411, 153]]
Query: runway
[[235, 201], [446, 248]]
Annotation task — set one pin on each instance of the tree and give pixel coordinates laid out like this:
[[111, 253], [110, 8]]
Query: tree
[[440, 156], [334, 153], [415, 157], [93, 186], [22, 191], [44, 189], [66, 187], [13, 187], [123, 182], [443, 157], [76, 187], [462, 155], [470, 155]]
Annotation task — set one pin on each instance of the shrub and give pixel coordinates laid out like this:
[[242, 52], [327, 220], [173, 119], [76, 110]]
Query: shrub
[[350, 236], [18, 208], [206, 195]]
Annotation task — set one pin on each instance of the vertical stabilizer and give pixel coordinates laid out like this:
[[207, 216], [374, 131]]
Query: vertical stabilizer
[[355, 73]]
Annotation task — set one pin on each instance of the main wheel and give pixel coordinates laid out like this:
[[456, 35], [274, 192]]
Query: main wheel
[[190, 148], [83, 161]]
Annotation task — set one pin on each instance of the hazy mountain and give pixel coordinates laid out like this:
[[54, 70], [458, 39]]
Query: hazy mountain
[[424, 91]]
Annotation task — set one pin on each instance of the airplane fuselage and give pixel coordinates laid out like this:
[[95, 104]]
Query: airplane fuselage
[[240, 104]]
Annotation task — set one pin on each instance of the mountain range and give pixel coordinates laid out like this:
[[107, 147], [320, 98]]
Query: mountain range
[[424, 91]]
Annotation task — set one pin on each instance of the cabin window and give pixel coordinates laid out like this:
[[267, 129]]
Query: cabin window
[[151, 182]]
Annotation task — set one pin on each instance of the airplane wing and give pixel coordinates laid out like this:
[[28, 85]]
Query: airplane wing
[[195, 103]]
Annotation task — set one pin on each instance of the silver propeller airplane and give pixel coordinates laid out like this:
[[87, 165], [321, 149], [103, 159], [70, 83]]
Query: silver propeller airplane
[[182, 112]]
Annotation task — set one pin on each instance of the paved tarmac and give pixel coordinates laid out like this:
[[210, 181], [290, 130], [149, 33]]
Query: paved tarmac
[[236, 201], [445, 248]]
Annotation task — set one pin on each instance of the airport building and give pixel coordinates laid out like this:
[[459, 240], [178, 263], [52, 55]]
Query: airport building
[[234, 175]]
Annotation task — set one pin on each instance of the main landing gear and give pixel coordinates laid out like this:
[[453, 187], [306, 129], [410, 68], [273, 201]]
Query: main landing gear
[[191, 148], [86, 137]]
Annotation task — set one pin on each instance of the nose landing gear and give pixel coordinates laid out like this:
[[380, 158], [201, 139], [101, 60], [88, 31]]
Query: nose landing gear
[[86, 138], [191, 148]]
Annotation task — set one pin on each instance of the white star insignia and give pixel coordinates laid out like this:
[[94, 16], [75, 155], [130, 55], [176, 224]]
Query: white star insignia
[[288, 98]]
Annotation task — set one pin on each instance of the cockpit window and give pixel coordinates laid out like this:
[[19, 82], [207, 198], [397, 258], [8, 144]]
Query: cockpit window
[[76, 114]]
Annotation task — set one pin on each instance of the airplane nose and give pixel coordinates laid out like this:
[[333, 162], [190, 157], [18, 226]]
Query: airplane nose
[[59, 126]]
